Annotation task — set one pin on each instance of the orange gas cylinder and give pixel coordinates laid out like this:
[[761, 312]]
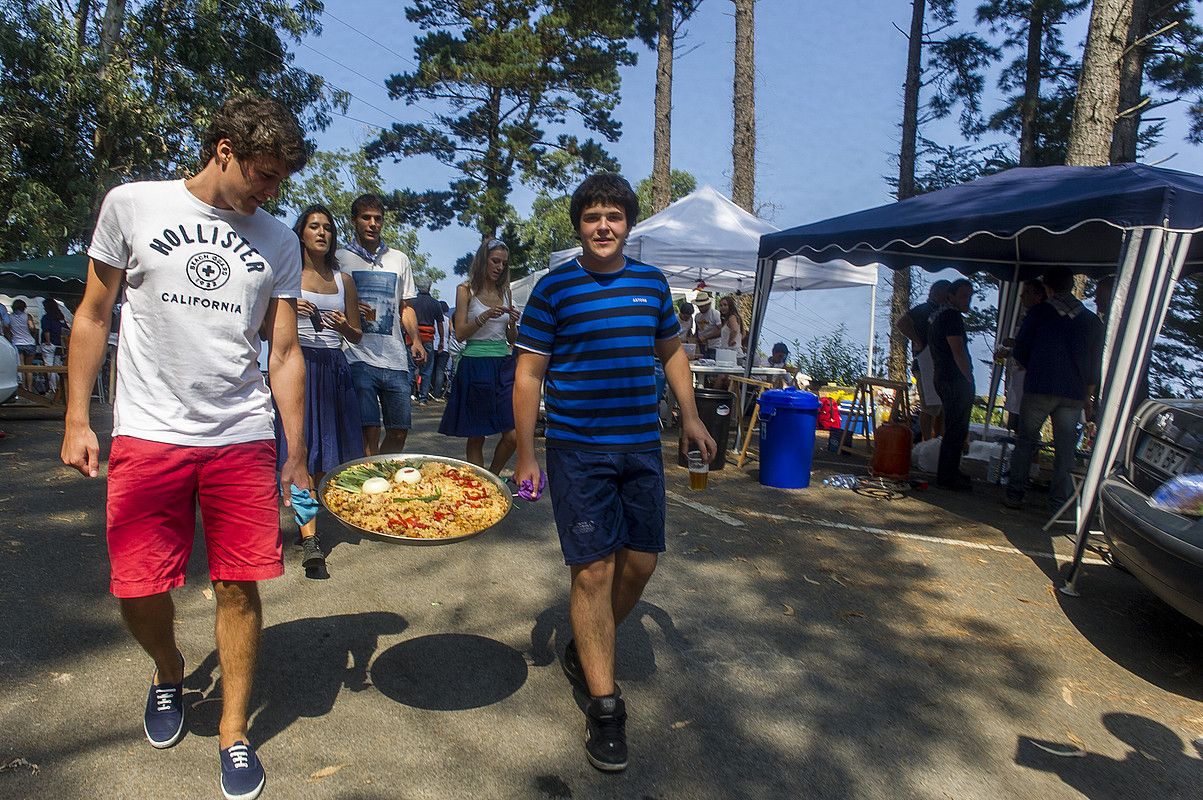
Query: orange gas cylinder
[[892, 452]]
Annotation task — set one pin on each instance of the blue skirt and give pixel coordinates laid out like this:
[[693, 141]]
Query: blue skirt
[[333, 432], [482, 397]]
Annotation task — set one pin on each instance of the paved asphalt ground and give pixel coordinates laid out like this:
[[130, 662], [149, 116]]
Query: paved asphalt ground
[[805, 644]]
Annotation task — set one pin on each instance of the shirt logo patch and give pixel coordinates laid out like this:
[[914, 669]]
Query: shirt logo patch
[[638, 299], [208, 271]]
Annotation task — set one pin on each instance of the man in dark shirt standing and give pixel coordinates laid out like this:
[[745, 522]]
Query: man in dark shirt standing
[[913, 325], [954, 382], [430, 329], [1060, 344]]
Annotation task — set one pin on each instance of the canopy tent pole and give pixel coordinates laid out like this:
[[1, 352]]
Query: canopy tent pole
[[765, 269], [872, 324], [1150, 268]]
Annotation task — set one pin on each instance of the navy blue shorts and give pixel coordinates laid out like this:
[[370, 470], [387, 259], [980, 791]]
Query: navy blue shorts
[[382, 393], [606, 501]]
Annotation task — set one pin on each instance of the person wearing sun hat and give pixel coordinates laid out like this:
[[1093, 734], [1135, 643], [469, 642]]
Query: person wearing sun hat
[[707, 324]]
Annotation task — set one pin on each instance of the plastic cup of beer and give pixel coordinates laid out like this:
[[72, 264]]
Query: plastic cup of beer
[[699, 470]]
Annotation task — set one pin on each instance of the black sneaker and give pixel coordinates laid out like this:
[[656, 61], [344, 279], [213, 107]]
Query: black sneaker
[[242, 776], [606, 733], [164, 717], [311, 553]]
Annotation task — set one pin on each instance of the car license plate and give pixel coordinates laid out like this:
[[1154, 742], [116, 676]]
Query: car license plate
[[1163, 457]]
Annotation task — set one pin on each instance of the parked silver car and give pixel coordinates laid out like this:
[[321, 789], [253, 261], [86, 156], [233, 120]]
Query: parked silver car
[[1162, 549], [8, 370]]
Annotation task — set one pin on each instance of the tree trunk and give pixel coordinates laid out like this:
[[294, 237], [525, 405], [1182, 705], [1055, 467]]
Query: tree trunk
[[1098, 88], [900, 298], [1131, 79], [1031, 86], [81, 24], [110, 28], [662, 134], [743, 147]]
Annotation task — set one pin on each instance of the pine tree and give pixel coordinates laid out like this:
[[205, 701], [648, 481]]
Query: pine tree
[[503, 72], [743, 145], [659, 25], [953, 73], [1164, 53], [1098, 87], [1038, 120]]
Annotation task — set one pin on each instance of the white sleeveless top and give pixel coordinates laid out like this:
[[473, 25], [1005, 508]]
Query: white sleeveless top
[[492, 330], [327, 338]]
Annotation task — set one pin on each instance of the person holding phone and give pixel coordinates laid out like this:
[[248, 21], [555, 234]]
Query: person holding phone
[[327, 313], [481, 402]]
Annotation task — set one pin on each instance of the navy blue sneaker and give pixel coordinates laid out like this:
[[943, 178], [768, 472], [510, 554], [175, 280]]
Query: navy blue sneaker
[[242, 775], [164, 717]]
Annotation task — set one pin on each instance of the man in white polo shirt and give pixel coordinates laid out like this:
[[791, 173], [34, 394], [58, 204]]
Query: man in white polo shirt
[[206, 269], [380, 361]]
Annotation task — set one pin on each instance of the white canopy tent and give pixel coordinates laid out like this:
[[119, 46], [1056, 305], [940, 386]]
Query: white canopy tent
[[705, 239]]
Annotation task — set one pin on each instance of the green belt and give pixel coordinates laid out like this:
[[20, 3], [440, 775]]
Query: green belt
[[485, 348]]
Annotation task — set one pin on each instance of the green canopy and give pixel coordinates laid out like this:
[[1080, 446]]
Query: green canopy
[[56, 275]]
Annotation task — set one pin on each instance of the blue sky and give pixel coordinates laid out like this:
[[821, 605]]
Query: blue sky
[[828, 93]]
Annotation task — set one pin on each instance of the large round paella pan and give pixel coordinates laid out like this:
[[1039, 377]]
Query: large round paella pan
[[415, 499]]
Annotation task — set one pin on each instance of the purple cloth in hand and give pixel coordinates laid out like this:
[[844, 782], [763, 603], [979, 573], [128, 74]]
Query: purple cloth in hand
[[527, 490]]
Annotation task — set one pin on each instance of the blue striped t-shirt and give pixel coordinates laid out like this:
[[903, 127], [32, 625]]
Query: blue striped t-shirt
[[600, 331]]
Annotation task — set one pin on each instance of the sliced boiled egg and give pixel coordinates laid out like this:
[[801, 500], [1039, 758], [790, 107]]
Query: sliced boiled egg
[[407, 475], [376, 486]]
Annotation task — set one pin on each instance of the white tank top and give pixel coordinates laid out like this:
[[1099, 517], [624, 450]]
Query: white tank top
[[493, 329], [327, 337]]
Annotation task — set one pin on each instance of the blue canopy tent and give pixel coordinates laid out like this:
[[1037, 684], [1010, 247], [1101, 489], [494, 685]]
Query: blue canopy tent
[[1132, 220]]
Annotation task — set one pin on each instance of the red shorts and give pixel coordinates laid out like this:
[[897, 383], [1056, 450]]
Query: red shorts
[[154, 489]]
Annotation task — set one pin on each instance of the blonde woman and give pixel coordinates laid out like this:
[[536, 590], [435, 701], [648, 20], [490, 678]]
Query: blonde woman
[[481, 402]]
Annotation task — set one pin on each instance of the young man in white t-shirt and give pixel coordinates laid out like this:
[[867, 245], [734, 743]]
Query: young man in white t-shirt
[[380, 361], [206, 269]]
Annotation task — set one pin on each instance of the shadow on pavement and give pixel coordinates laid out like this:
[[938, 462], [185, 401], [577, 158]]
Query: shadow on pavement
[[1156, 765], [636, 657], [449, 672], [303, 665], [1133, 627]]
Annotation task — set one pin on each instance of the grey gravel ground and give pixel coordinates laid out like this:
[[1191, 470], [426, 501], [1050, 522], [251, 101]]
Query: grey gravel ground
[[792, 644]]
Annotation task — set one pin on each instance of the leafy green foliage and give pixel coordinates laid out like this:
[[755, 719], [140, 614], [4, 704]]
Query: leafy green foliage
[[1057, 72], [1174, 368], [505, 71], [335, 179], [533, 239], [681, 183], [832, 358], [87, 106]]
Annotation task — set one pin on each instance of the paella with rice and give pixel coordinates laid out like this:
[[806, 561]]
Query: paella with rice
[[415, 499]]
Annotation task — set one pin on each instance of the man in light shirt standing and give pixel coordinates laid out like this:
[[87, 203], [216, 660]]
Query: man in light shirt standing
[[380, 363]]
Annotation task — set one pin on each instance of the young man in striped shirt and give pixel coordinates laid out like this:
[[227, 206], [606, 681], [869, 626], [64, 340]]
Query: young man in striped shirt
[[592, 330]]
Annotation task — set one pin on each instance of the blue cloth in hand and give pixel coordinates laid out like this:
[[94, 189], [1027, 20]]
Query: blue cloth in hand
[[304, 505]]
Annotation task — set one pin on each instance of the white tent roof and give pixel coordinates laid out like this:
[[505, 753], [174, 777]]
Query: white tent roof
[[706, 237]]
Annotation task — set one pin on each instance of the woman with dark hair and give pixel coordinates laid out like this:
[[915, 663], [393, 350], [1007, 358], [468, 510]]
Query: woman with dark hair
[[732, 336], [481, 402], [327, 313]]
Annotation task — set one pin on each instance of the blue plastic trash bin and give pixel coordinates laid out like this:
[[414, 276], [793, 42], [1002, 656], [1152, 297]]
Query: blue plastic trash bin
[[788, 418]]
